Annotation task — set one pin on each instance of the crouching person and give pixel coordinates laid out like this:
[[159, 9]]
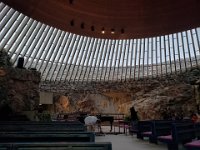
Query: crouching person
[[91, 122]]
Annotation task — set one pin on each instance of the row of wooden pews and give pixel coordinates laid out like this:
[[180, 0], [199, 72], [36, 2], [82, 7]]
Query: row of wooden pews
[[173, 133], [32, 135]]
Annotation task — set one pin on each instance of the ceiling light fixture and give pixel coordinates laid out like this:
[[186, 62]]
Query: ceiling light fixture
[[112, 31], [72, 22], [92, 28], [103, 31], [122, 31], [82, 25]]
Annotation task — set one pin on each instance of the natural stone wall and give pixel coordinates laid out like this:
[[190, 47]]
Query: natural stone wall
[[150, 97], [19, 89]]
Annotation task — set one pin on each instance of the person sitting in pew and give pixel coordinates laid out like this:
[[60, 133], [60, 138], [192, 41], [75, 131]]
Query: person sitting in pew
[[195, 117]]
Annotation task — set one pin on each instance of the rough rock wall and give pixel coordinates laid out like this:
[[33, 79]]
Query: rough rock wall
[[19, 87], [150, 97]]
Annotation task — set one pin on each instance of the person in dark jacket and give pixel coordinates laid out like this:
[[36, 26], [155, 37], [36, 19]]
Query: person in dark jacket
[[134, 116]]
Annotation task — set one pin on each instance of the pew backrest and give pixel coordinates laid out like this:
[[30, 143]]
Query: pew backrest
[[197, 129], [183, 132], [161, 127], [47, 136], [42, 126], [144, 126], [58, 146]]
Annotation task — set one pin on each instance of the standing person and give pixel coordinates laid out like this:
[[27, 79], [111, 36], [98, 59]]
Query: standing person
[[134, 116], [134, 119], [91, 122]]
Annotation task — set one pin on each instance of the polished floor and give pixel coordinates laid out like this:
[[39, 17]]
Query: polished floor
[[130, 142]]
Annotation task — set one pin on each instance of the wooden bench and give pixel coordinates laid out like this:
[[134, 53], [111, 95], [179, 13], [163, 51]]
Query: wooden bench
[[57, 146], [41, 122], [194, 145], [42, 126], [144, 129], [47, 136], [181, 134], [159, 128], [197, 130], [162, 128]]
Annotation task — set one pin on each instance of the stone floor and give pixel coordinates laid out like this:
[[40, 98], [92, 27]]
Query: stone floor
[[129, 142]]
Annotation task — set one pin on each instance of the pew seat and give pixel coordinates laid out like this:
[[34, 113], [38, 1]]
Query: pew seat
[[144, 129], [194, 145], [181, 133]]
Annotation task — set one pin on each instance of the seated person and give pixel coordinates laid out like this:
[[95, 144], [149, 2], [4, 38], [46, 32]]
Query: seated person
[[195, 117], [91, 122]]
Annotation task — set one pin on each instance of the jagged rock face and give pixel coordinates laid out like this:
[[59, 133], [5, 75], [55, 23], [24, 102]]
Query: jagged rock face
[[20, 89], [177, 98], [152, 98], [151, 102], [93, 103]]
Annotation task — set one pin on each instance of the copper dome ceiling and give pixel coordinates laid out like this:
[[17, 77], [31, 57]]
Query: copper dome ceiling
[[119, 19]]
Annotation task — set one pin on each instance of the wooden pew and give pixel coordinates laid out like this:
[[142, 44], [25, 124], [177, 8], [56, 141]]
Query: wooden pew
[[144, 129], [181, 133], [57, 145], [46, 133], [42, 126], [47, 137], [194, 145], [159, 128], [163, 128], [40, 122], [197, 130]]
